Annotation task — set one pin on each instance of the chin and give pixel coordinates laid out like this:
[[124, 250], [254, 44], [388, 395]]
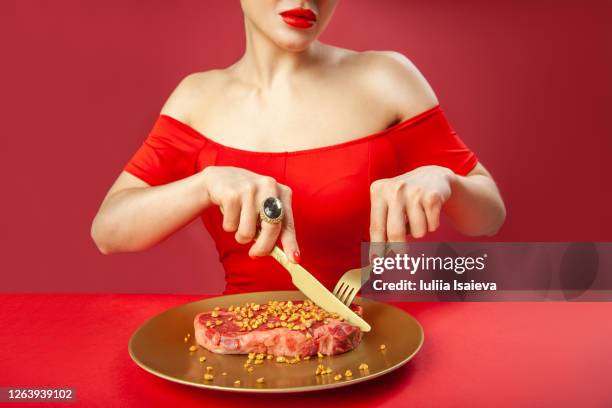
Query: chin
[[292, 40]]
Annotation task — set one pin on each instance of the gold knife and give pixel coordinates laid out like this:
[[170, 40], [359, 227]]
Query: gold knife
[[315, 291]]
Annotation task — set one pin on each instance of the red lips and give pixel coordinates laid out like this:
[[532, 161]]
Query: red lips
[[299, 17]]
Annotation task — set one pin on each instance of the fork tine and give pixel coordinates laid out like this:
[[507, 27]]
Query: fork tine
[[342, 293], [347, 294], [349, 300], [338, 287]]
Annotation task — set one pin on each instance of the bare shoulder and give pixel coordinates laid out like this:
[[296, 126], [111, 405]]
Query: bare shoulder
[[192, 91], [396, 79]]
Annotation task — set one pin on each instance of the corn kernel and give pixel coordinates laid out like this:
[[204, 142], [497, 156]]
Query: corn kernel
[[224, 373], [348, 373], [306, 357], [202, 359], [280, 359], [251, 355], [259, 356], [337, 377], [328, 370], [319, 354], [250, 369], [185, 340], [258, 361], [237, 383], [269, 357], [208, 377], [260, 380], [193, 348], [382, 347], [363, 366], [209, 369]]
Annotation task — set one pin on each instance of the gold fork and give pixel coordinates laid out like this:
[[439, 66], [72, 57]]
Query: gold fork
[[350, 283]]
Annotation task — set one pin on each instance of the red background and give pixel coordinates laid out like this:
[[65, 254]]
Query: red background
[[526, 84]]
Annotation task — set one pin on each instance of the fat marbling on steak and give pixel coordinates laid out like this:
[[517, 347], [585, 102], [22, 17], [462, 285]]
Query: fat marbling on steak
[[298, 328]]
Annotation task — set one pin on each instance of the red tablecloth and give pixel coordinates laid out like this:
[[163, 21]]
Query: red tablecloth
[[475, 354]]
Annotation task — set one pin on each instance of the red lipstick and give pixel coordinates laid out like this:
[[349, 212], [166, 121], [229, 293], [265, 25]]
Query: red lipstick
[[299, 17]]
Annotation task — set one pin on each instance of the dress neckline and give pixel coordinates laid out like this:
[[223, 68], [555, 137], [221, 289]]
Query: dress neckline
[[398, 126]]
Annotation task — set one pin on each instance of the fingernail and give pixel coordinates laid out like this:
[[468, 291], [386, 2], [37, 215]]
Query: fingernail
[[296, 256]]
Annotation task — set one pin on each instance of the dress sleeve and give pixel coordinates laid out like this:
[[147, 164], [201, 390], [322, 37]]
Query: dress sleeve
[[169, 153], [428, 139]]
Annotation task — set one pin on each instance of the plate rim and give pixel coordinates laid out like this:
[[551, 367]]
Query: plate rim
[[310, 388]]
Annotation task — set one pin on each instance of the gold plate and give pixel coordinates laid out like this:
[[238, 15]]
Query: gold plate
[[158, 347]]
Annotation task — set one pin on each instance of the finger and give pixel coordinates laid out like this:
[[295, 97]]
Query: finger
[[266, 240], [248, 218], [269, 232], [287, 235], [378, 223], [433, 206], [396, 222], [417, 220], [230, 208]]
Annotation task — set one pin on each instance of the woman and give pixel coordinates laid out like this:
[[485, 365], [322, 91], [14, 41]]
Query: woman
[[353, 144]]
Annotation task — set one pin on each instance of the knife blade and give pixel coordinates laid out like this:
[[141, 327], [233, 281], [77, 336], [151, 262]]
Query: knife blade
[[315, 291]]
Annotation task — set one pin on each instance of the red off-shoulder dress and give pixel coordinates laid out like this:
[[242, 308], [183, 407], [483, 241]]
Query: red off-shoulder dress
[[331, 200]]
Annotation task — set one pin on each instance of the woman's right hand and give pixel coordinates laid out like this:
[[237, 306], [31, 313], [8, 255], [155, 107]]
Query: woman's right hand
[[240, 194]]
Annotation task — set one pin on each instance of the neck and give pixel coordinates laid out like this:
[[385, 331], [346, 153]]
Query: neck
[[264, 62]]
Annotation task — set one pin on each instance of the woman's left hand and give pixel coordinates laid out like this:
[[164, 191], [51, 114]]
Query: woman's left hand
[[409, 204]]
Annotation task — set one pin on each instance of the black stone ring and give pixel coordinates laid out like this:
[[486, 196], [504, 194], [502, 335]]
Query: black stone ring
[[272, 210]]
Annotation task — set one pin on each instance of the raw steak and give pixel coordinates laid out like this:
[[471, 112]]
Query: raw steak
[[278, 328]]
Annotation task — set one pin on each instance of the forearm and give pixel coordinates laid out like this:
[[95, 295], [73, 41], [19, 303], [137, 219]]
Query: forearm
[[137, 218], [475, 206]]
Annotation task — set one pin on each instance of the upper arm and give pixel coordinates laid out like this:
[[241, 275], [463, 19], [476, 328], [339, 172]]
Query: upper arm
[[176, 106], [409, 92]]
